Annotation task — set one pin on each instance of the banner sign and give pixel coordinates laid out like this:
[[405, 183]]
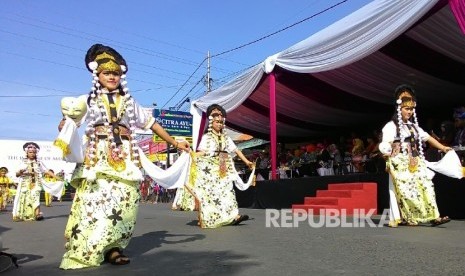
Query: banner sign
[[176, 123], [12, 154]]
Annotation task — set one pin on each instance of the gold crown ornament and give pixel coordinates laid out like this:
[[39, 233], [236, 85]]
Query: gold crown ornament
[[406, 100], [107, 62]]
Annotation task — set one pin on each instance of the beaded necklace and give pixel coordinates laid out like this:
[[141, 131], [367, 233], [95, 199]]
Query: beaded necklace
[[402, 135], [218, 137], [220, 140], [413, 160], [97, 104]]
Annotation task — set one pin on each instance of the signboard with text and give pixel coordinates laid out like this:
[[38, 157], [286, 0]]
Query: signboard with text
[[12, 154], [153, 148], [176, 123]]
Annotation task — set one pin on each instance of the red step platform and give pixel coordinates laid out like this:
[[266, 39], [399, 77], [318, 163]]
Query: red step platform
[[345, 197]]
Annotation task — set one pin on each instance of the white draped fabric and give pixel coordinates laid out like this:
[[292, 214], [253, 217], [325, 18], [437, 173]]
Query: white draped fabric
[[346, 41], [175, 176], [449, 165], [54, 188], [70, 143], [73, 151]]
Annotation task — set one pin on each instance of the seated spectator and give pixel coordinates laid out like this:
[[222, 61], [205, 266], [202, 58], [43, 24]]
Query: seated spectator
[[357, 154], [324, 161], [336, 156], [445, 137], [375, 162], [459, 119], [263, 165], [308, 161], [459, 140], [371, 146], [322, 156]]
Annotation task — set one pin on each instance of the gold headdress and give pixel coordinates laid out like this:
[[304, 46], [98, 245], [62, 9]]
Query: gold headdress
[[4, 169], [107, 62], [406, 100]]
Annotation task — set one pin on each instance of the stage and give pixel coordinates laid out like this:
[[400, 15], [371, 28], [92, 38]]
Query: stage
[[281, 194]]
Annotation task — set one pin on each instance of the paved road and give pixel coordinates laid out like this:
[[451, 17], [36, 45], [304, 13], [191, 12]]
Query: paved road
[[168, 242]]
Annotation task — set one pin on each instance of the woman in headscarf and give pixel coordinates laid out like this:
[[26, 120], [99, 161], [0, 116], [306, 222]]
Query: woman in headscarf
[[412, 195]]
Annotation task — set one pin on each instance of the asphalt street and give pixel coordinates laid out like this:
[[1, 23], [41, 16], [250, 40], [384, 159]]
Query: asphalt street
[[168, 242]]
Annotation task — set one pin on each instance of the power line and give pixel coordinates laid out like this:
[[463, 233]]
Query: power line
[[267, 36], [144, 51], [185, 82], [40, 87], [26, 113], [134, 47], [279, 31], [61, 45], [153, 53], [276, 32], [113, 27], [183, 100]]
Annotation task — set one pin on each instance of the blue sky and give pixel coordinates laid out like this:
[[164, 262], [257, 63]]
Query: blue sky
[[43, 43]]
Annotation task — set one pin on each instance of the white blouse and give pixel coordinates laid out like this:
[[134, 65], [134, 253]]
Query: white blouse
[[142, 119], [390, 133], [210, 145]]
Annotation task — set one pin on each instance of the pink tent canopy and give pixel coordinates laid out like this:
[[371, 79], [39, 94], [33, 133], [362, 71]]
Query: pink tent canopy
[[342, 78]]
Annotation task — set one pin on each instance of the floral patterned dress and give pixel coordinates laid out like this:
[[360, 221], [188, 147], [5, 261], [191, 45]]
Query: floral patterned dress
[[4, 191], [187, 200], [211, 181], [413, 187], [27, 198], [104, 210]]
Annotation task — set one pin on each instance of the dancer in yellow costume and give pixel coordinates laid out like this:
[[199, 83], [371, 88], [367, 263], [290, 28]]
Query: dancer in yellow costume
[[104, 209], [32, 171], [48, 197], [213, 174], [412, 196], [4, 188]]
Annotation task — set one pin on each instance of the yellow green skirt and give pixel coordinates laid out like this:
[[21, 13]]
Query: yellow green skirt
[[102, 217]]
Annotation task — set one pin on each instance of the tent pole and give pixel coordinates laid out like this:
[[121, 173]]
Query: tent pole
[[273, 148]]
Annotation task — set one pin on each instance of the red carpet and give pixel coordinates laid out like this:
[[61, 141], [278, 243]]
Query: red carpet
[[343, 196]]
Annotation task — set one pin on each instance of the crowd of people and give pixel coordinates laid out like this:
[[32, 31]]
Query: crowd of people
[[152, 192], [357, 154], [354, 155], [109, 183]]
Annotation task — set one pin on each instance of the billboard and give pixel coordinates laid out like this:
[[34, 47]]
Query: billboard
[[152, 149], [12, 153], [176, 123]]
